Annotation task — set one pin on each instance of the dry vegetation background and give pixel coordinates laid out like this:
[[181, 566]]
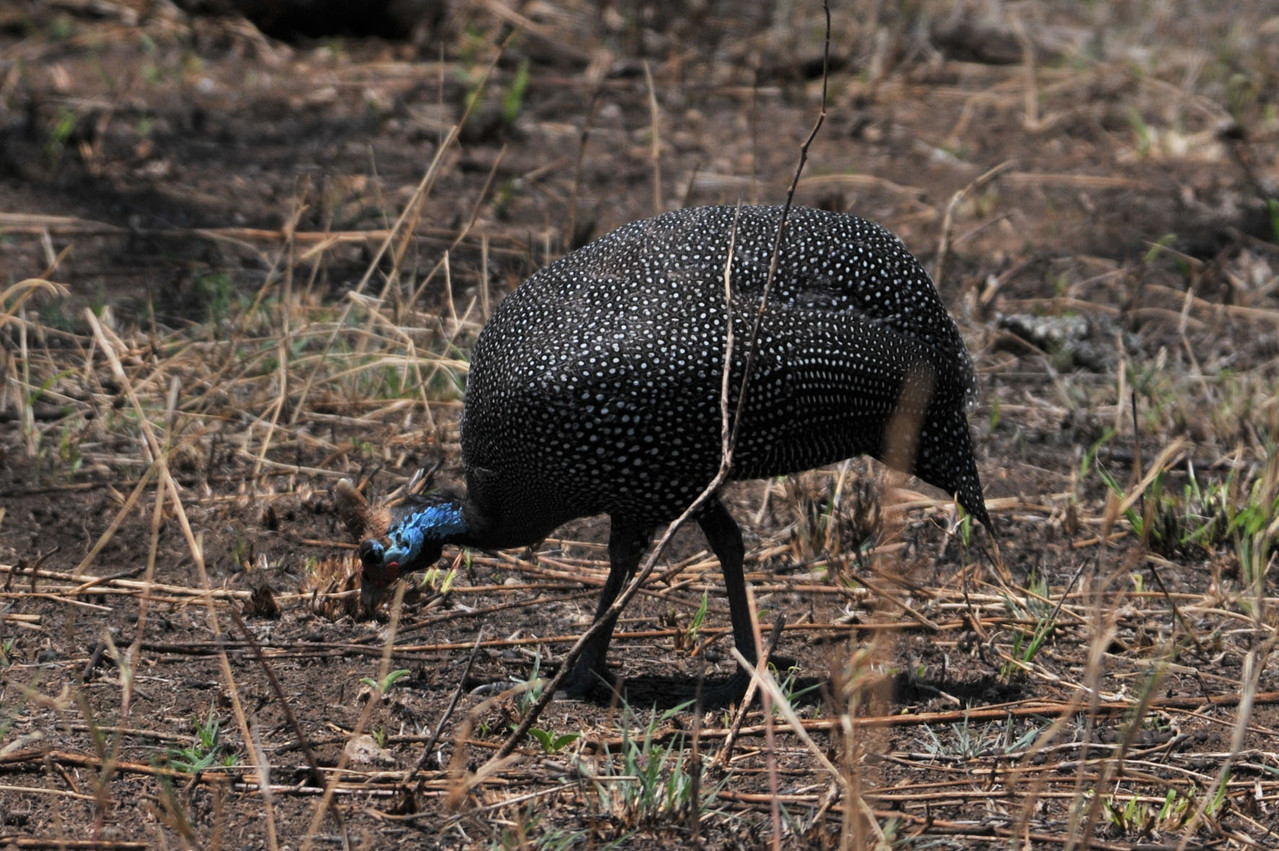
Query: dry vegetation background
[[237, 268]]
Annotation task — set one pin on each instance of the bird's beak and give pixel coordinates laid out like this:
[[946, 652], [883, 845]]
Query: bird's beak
[[370, 595], [373, 588], [377, 574]]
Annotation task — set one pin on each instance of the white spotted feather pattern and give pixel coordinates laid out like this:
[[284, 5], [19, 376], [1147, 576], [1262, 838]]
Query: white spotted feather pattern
[[595, 387]]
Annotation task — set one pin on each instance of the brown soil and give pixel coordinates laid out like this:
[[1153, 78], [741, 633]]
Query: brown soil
[[227, 208]]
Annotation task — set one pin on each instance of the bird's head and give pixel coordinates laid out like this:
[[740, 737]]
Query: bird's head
[[415, 542]]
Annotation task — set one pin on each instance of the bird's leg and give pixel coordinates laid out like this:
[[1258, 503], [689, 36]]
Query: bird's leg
[[626, 544], [725, 538]]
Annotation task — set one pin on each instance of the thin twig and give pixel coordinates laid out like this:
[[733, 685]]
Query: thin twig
[[726, 460], [656, 138], [943, 247], [633, 587], [726, 752], [282, 699], [753, 345], [448, 712]]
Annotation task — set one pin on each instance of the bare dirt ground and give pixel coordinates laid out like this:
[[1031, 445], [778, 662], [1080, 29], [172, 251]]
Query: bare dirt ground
[[268, 261]]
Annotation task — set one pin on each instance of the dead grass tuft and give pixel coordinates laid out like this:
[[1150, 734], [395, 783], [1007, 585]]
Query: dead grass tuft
[[332, 584]]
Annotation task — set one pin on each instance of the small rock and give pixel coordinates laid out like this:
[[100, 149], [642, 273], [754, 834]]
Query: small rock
[[364, 750]]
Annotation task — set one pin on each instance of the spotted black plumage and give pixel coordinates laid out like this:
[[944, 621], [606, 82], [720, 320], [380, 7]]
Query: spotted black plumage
[[595, 387]]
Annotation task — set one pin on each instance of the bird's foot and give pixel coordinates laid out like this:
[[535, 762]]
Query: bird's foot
[[585, 680], [734, 688]]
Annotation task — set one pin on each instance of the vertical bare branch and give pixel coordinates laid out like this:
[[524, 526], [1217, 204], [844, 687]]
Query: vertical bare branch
[[657, 142], [729, 442]]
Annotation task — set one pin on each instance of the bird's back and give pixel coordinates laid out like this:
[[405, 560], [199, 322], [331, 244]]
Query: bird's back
[[595, 387]]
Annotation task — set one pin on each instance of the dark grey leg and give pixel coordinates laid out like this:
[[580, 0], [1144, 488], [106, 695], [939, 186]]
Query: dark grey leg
[[725, 538], [626, 544]]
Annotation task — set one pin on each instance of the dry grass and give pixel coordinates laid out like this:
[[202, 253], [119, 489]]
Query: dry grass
[[180, 663]]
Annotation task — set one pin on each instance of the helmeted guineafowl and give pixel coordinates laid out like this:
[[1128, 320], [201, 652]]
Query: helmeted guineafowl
[[595, 389]]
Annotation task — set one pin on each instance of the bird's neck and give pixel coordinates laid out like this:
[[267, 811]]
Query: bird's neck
[[492, 528], [442, 522], [463, 523]]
